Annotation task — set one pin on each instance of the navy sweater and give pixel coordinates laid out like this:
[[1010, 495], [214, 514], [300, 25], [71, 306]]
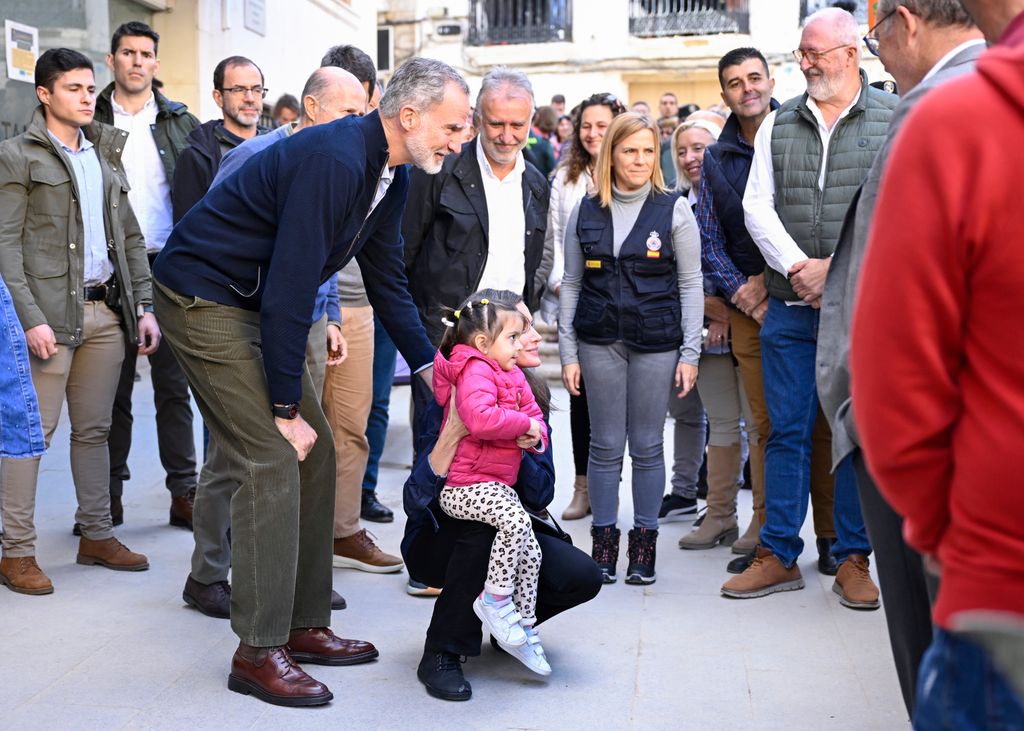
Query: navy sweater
[[288, 219]]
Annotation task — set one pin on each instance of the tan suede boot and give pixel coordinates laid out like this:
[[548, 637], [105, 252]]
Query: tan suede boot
[[751, 537], [719, 524], [579, 506], [110, 553], [23, 575]]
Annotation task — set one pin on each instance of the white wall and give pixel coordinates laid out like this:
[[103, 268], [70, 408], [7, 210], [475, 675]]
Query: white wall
[[298, 33]]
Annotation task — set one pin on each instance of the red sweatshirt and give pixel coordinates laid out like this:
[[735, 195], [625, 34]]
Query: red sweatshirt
[[937, 351]]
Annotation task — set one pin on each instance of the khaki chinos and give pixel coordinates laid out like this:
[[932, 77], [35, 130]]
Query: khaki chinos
[[282, 509], [87, 374], [348, 396]]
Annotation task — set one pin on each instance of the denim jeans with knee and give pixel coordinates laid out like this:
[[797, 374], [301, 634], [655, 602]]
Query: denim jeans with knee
[[627, 394], [960, 689], [788, 346]]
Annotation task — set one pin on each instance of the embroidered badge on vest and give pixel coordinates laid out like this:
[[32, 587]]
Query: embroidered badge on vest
[[593, 263], [654, 245]]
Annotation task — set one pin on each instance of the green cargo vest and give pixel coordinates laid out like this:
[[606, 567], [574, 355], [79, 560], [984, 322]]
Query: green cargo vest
[[813, 217]]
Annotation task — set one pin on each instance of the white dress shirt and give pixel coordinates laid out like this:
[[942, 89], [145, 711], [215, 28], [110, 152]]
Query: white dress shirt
[[506, 226], [780, 251], [150, 195]]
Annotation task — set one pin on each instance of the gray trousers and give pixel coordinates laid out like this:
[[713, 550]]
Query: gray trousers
[[689, 434], [627, 395], [211, 513], [282, 510]]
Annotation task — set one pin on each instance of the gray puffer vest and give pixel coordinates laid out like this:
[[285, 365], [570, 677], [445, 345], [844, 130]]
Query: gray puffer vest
[[812, 216]]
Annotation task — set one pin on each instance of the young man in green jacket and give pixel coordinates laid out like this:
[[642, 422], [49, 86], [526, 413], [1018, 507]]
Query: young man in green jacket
[[74, 259]]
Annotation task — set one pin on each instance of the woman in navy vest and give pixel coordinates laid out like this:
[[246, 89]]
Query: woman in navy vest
[[631, 313]]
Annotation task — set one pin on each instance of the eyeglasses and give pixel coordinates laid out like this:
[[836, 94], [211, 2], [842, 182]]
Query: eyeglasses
[[608, 100], [814, 56], [260, 91], [871, 40]]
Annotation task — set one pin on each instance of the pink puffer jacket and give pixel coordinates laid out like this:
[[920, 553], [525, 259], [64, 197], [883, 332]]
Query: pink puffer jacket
[[496, 407]]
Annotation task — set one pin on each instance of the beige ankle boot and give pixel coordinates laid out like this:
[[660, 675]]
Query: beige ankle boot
[[579, 506], [719, 525], [751, 536]]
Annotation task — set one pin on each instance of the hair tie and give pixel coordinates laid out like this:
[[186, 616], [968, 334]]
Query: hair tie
[[447, 323], [457, 313], [485, 301]]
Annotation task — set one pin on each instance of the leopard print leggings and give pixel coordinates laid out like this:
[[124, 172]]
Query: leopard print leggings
[[515, 554]]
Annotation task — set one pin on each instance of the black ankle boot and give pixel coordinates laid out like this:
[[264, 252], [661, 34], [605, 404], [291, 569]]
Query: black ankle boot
[[441, 673], [642, 551], [605, 550]]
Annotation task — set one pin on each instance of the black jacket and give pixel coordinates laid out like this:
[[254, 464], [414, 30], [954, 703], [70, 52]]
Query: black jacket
[[173, 125], [445, 232], [198, 164]]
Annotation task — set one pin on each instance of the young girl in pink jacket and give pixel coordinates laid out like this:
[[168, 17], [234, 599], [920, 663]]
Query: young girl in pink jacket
[[477, 360]]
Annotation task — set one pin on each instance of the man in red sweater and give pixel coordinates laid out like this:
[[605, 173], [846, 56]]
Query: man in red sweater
[[938, 372]]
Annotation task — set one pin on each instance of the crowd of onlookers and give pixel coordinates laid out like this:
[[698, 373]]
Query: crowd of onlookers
[[805, 287]]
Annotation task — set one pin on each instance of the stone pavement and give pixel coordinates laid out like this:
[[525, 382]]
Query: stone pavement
[[121, 650]]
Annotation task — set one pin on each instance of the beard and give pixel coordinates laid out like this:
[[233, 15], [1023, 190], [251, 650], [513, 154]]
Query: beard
[[822, 86], [499, 156], [422, 156]]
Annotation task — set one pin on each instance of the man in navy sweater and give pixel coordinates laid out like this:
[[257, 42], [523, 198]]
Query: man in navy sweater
[[236, 285]]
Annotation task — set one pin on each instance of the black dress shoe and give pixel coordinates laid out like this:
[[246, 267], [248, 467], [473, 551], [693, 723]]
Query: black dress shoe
[[826, 561], [741, 564], [373, 510], [116, 515], [337, 601], [441, 674], [213, 600]]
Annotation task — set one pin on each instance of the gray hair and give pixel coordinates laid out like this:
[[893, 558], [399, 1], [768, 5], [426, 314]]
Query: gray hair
[[842, 23], [943, 13], [503, 77], [419, 83]]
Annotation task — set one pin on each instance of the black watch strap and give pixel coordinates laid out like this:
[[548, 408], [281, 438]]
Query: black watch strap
[[285, 411]]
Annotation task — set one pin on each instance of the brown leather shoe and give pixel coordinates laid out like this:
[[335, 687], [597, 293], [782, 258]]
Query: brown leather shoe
[[853, 584], [270, 674], [765, 575], [181, 510], [213, 600], [320, 646], [23, 575], [358, 551], [110, 553]]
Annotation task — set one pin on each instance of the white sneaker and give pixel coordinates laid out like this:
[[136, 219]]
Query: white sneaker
[[531, 653], [501, 621]]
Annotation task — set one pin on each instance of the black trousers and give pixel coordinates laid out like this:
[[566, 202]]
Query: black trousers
[[907, 590], [455, 558], [173, 421], [579, 426]]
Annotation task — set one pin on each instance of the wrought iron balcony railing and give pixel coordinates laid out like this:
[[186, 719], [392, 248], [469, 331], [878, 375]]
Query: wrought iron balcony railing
[[655, 18], [494, 22]]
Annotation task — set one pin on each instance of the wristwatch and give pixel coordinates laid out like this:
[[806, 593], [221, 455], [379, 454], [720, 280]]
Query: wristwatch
[[285, 411]]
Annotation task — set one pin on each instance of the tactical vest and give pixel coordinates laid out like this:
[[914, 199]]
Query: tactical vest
[[633, 297], [812, 216]]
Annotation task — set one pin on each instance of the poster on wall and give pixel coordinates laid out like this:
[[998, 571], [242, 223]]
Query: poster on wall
[[22, 42]]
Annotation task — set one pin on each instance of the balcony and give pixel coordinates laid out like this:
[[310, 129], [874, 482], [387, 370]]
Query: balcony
[[810, 6], [503, 22], [659, 18]]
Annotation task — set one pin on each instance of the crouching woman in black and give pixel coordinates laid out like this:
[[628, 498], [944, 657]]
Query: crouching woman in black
[[453, 554]]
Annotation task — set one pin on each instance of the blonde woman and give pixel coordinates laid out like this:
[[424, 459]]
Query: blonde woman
[[630, 321]]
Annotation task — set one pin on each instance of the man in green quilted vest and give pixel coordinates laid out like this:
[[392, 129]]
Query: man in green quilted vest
[[810, 156]]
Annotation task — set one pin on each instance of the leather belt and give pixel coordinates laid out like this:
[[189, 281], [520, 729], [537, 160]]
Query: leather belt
[[97, 293]]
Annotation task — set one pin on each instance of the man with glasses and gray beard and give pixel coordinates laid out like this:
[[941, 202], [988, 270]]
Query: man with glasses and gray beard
[[236, 286], [810, 156]]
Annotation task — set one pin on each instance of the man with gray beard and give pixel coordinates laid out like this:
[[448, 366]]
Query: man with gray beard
[[810, 156]]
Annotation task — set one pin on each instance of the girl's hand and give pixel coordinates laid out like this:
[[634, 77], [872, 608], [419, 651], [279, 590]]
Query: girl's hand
[[533, 436], [686, 378]]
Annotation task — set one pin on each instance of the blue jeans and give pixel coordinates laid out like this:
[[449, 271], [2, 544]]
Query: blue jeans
[[21, 428], [789, 340], [959, 689], [384, 355]]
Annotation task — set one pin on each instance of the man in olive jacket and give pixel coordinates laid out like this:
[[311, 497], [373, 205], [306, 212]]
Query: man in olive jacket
[[74, 259]]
